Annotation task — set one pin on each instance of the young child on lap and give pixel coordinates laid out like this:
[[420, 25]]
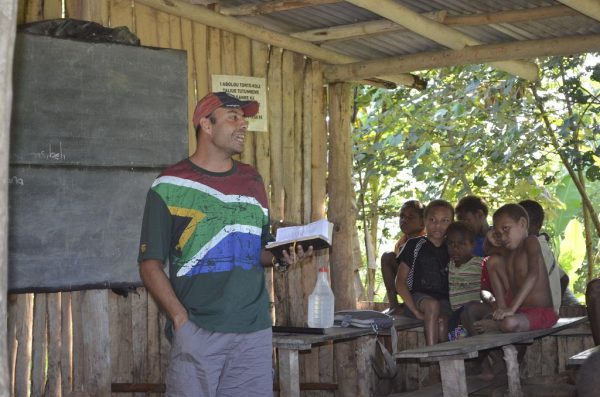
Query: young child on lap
[[464, 271], [527, 303], [422, 279]]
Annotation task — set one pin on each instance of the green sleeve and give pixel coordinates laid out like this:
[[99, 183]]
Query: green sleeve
[[155, 238]]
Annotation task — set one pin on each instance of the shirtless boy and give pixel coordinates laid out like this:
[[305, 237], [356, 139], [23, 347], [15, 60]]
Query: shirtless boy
[[527, 303]]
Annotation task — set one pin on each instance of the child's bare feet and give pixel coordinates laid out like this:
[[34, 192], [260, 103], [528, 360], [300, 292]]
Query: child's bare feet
[[492, 366], [486, 326]]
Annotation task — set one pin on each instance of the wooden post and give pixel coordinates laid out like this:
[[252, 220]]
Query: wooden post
[[8, 19], [453, 378], [512, 371], [341, 191], [289, 373], [342, 214]]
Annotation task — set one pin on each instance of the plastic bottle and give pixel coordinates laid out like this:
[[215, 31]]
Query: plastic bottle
[[321, 303]]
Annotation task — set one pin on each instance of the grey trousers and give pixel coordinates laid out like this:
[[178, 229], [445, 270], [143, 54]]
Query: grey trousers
[[213, 364]]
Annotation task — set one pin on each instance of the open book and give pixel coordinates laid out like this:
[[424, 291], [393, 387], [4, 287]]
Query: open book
[[318, 234]]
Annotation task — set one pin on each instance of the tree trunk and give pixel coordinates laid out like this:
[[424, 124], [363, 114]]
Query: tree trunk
[[371, 263], [557, 147]]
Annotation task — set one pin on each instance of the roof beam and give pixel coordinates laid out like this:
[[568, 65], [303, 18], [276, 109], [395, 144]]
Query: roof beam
[[591, 8], [272, 6], [233, 25], [363, 29], [440, 33], [468, 55]]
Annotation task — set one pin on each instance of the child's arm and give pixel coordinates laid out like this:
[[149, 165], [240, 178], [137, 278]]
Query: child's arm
[[534, 260], [402, 289], [497, 272]]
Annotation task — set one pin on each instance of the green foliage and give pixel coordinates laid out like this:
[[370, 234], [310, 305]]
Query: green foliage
[[572, 249], [478, 131]]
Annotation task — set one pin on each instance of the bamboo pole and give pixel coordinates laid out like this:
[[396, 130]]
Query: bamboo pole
[[23, 336], [318, 157], [272, 6], [275, 103], [243, 67], [188, 45], [121, 13], [13, 310], [260, 56], [8, 19], [145, 25], [341, 192], [213, 19], [96, 340], [66, 351], [441, 34], [275, 132], [291, 204], [39, 345], [139, 332], [34, 11], [468, 55], [53, 313]]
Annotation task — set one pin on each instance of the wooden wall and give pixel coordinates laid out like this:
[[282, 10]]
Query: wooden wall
[[60, 343]]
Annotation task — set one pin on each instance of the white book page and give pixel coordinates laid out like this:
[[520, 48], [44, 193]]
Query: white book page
[[318, 228]]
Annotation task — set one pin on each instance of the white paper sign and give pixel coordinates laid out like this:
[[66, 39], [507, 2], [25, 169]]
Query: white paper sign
[[247, 89]]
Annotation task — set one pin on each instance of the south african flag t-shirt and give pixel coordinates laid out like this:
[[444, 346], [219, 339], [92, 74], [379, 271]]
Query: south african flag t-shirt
[[211, 227]]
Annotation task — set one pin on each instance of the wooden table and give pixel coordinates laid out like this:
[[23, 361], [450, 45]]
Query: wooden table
[[580, 358], [451, 355], [289, 344]]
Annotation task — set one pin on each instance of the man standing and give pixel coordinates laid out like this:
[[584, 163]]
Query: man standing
[[208, 215]]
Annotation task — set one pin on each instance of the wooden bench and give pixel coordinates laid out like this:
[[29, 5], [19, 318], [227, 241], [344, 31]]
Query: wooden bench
[[289, 344], [580, 358], [451, 355]]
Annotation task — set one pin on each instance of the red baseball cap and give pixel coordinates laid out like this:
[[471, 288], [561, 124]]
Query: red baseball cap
[[215, 100]]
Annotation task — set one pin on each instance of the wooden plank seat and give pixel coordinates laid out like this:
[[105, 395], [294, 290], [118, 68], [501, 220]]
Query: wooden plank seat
[[288, 345], [451, 355], [580, 357]]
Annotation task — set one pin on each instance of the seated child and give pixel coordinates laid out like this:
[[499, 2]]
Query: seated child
[[411, 225], [475, 311], [464, 271], [474, 211], [527, 302], [536, 220], [422, 279]]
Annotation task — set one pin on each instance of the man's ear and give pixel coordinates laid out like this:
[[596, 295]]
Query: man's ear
[[206, 125]]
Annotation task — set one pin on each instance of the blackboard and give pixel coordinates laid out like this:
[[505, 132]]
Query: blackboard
[[92, 125]]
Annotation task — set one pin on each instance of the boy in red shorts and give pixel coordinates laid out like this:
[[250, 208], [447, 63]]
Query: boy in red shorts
[[527, 303]]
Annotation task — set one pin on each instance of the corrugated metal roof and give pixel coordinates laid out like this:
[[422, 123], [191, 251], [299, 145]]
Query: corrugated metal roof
[[404, 42]]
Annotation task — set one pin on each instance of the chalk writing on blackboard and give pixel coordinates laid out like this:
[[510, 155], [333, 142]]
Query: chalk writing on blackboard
[[51, 154], [15, 180]]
